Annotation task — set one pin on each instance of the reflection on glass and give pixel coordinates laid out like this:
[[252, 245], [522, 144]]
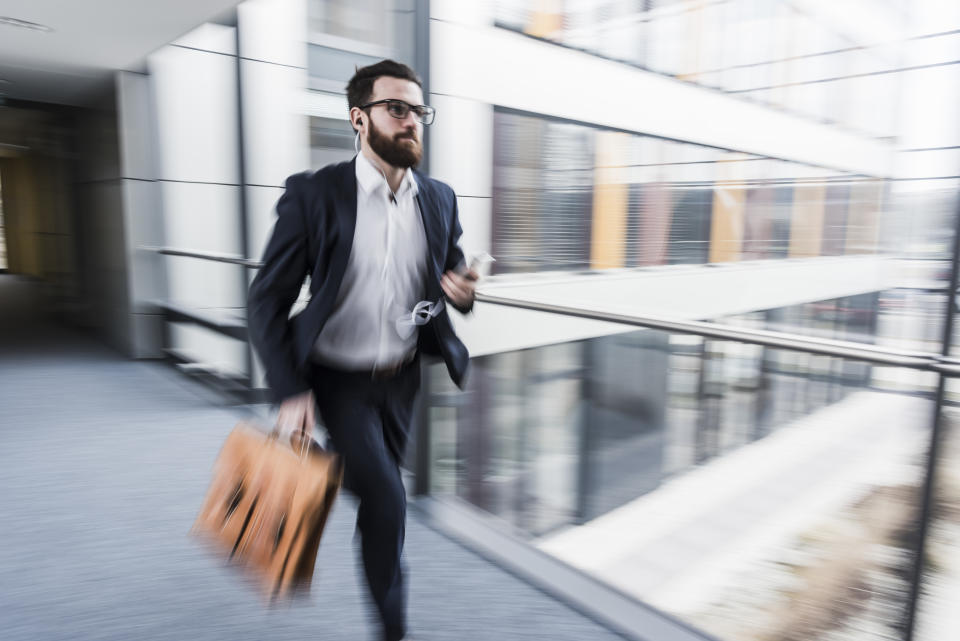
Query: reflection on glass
[[757, 493], [543, 194]]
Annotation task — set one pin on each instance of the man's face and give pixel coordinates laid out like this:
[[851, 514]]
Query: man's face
[[396, 140]]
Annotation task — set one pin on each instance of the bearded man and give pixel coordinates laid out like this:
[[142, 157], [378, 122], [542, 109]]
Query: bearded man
[[379, 242]]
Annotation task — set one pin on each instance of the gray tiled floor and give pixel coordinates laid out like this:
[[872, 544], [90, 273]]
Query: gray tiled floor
[[103, 464]]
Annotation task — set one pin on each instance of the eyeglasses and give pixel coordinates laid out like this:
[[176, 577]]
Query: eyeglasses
[[421, 315], [400, 109]]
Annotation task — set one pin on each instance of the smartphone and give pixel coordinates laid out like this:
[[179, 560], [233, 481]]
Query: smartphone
[[480, 263]]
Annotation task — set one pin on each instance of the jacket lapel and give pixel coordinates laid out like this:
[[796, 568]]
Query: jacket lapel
[[343, 183], [433, 229], [346, 217]]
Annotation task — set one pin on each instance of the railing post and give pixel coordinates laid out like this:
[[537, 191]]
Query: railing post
[[244, 226], [585, 442], [422, 463], [933, 454]]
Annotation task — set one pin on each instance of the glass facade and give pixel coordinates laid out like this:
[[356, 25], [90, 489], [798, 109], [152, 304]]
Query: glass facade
[[754, 492], [685, 398], [575, 197]]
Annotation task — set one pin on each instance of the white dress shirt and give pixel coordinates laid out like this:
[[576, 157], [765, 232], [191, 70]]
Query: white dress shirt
[[384, 278]]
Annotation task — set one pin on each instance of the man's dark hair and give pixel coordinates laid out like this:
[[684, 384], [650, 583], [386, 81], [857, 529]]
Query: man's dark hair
[[360, 87]]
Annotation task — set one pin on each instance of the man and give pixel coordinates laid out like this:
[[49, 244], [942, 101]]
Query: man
[[379, 243]]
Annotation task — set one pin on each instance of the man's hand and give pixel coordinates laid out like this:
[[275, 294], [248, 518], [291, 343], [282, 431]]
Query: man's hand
[[296, 414], [460, 288]]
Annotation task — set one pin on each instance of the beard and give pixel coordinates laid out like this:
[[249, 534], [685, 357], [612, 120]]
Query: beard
[[396, 151]]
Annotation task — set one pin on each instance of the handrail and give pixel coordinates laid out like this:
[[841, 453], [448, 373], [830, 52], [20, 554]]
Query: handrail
[[827, 347], [211, 256], [232, 326], [924, 361]]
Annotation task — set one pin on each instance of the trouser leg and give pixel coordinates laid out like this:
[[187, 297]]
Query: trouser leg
[[368, 422]]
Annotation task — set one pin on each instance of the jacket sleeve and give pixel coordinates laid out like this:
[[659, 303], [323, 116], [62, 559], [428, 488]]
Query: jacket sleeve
[[275, 289], [455, 258]]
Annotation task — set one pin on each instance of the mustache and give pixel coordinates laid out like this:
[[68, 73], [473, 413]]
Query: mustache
[[412, 135]]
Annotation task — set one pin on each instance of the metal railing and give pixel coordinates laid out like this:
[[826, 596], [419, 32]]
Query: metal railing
[[210, 256], [924, 361], [232, 326], [941, 364]]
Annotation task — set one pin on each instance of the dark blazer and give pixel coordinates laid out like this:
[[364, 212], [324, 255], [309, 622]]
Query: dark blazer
[[313, 235]]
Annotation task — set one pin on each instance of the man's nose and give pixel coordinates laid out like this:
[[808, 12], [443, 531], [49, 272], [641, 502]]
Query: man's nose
[[410, 120]]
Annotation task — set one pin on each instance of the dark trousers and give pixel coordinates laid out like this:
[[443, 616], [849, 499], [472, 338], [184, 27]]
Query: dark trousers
[[369, 423]]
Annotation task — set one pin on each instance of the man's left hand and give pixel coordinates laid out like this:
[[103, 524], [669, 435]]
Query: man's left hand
[[460, 288]]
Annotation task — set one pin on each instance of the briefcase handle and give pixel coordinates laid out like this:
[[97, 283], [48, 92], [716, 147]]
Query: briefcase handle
[[303, 438]]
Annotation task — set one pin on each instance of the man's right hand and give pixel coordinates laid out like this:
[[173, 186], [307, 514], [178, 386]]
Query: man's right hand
[[296, 414]]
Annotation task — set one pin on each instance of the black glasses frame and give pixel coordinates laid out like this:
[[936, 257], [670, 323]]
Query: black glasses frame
[[400, 108]]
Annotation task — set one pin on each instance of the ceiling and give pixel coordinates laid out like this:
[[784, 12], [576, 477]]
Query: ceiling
[[88, 40]]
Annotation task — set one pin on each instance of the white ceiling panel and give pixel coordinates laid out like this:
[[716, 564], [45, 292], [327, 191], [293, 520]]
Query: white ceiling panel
[[79, 43]]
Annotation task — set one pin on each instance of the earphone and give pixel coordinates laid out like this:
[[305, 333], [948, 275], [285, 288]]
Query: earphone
[[356, 139]]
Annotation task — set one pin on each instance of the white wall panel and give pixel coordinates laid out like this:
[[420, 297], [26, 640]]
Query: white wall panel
[[217, 38], [196, 110], [274, 31], [276, 131], [202, 217], [461, 145], [205, 285], [261, 202]]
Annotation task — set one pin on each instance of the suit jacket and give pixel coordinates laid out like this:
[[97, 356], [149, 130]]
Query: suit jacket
[[313, 235]]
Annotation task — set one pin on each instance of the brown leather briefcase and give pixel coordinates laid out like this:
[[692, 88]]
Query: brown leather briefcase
[[268, 503]]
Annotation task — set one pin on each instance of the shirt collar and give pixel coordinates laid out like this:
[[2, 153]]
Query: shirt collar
[[370, 179]]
